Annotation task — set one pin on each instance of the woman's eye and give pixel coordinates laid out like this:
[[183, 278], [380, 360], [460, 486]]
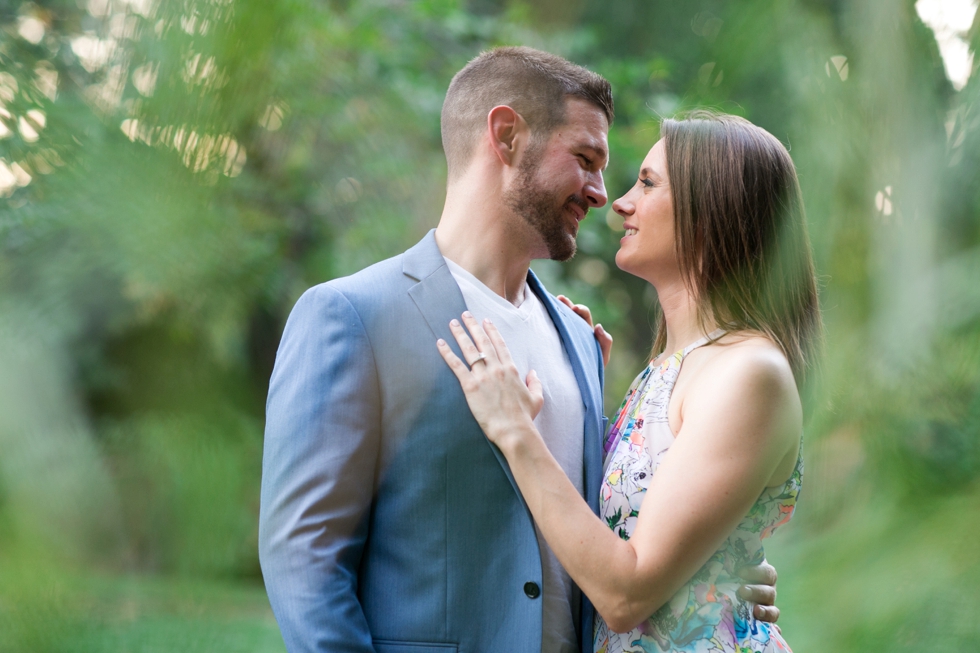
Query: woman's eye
[[647, 183]]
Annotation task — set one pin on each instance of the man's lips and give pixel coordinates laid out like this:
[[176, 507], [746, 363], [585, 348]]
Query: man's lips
[[578, 207]]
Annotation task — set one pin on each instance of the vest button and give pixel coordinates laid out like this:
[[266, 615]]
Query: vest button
[[532, 590]]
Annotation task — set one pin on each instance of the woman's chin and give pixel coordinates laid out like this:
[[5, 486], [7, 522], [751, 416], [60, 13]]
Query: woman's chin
[[622, 261]]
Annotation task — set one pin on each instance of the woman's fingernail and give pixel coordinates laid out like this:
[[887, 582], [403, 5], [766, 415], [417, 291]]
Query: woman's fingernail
[[487, 320], [467, 314], [441, 342], [454, 322]]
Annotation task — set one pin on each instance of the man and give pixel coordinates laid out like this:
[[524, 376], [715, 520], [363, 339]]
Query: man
[[388, 522]]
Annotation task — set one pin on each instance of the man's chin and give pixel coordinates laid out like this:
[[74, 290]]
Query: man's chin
[[564, 249]]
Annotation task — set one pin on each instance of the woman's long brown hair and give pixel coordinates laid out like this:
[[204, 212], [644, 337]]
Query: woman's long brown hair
[[741, 234]]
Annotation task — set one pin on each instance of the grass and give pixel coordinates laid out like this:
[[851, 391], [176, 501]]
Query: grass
[[68, 613], [888, 577]]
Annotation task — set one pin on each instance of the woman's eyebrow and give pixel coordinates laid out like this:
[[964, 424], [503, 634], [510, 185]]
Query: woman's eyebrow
[[648, 172]]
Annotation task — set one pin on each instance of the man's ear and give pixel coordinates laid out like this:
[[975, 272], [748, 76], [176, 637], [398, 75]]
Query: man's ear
[[508, 133]]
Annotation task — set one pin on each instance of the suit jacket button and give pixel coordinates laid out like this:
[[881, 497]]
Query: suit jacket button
[[532, 590]]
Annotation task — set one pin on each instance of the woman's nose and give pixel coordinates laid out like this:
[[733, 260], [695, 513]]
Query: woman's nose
[[622, 206]]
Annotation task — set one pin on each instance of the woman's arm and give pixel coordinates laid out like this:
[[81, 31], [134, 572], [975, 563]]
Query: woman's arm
[[739, 422]]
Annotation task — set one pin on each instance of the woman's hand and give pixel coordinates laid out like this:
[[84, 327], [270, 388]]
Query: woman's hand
[[503, 404], [605, 340]]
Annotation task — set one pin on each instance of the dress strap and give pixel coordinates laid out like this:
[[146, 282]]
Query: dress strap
[[711, 337], [679, 355]]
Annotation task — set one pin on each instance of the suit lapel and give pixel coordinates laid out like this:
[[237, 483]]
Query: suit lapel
[[439, 299], [581, 351], [436, 294]]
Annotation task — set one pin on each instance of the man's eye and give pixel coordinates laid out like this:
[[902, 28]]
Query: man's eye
[[586, 160]]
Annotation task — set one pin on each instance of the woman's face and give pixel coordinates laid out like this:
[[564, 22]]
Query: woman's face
[[647, 249]]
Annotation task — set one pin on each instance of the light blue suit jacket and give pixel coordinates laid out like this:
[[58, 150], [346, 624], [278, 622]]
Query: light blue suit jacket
[[388, 521]]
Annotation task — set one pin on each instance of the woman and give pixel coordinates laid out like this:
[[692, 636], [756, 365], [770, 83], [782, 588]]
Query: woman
[[703, 461]]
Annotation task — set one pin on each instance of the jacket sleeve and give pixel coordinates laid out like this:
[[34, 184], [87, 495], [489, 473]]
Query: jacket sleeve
[[319, 465]]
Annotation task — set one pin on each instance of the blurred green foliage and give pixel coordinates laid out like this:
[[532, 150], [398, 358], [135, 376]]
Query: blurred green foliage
[[176, 172]]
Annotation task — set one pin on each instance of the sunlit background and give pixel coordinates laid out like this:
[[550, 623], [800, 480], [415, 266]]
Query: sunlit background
[[175, 173]]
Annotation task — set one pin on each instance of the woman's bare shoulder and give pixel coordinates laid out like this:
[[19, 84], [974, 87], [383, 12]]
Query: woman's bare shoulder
[[746, 356], [740, 372]]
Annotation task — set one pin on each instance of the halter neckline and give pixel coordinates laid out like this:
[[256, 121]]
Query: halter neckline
[[711, 337]]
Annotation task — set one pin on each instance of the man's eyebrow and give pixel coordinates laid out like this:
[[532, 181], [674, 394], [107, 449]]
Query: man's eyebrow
[[599, 150]]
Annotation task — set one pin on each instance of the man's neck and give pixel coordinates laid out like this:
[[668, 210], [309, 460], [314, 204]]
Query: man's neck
[[487, 257], [480, 235]]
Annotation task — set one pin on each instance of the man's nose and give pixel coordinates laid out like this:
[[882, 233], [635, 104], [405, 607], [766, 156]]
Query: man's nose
[[595, 191]]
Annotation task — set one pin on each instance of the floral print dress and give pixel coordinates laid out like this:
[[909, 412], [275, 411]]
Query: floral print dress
[[706, 615]]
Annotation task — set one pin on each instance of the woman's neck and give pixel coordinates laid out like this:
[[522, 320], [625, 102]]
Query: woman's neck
[[681, 315]]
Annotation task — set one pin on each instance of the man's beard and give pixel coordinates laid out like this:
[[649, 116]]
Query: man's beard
[[544, 211]]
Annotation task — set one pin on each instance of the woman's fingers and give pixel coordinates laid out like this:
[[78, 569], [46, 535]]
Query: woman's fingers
[[497, 340], [605, 343], [500, 401], [581, 310], [471, 353], [452, 360], [584, 312], [479, 336], [534, 383], [536, 389]]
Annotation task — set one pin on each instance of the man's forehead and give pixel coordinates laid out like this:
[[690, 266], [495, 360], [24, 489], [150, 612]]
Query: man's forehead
[[586, 127], [584, 115]]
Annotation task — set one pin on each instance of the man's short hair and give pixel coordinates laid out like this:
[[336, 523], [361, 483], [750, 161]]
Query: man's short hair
[[535, 84]]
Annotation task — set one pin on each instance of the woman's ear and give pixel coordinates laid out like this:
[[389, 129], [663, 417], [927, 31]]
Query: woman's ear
[[508, 133]]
